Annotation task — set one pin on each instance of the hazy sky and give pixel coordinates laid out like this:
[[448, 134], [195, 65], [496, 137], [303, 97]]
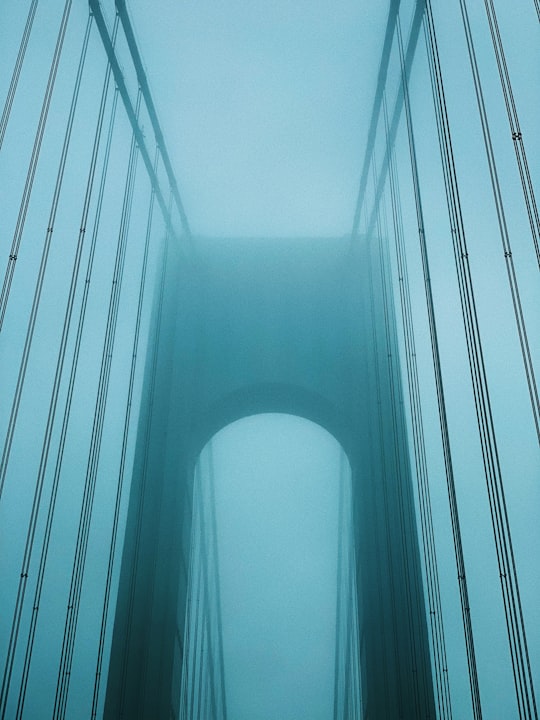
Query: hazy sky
[[264, 107]]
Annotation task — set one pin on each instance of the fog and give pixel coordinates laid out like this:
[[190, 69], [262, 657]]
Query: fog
[[265, 110], [277, 528]]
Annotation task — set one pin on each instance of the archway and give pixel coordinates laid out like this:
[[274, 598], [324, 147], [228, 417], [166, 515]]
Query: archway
[[273, 493]]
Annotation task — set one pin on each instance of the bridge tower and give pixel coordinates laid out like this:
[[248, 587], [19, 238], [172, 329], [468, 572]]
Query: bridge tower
[[293, 326]]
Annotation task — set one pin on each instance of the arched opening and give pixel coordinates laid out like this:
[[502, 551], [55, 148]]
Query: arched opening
[[271, 627]]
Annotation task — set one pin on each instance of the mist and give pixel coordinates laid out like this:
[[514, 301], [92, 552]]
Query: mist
[[266, 110]]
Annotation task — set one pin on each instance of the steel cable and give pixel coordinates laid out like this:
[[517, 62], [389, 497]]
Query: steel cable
[[410, 562], [17, 70], [337, 653], [503, 226], [65, 422], [426, 517], [456, 529], [501, 526], [515, 128], [123, 452], [144, 470], [392, 561], [187, 638], [29, 183], [56, 385], [348, 649], [206, 593], [43, 264], [79, 562], [213, 520], [195, 657]]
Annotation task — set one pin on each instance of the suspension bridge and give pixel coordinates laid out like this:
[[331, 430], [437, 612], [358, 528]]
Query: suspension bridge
[[128, 341]]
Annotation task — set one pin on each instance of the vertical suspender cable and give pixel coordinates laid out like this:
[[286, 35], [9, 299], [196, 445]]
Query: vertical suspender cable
[[186, 669], [347, 701], [23, 367], [70, 627], [355, 650], [151, 593], [24, 364], [206, 625], [206, 674], [65, 421], [409, 558], [349, 649], [43, 264], [391, 560], [180, 642], [426, 519], [204, 639], [189, 671], [127, 418], [503, 228], [339, 583], [17, 70], [515, 128], [199, 638], [193, 618], [201, 601], [144, 470], [356, 669], [456, 529], [501, 526], [385, 581], [23, 208], [210, 683], [212, 491], [54, 398]]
